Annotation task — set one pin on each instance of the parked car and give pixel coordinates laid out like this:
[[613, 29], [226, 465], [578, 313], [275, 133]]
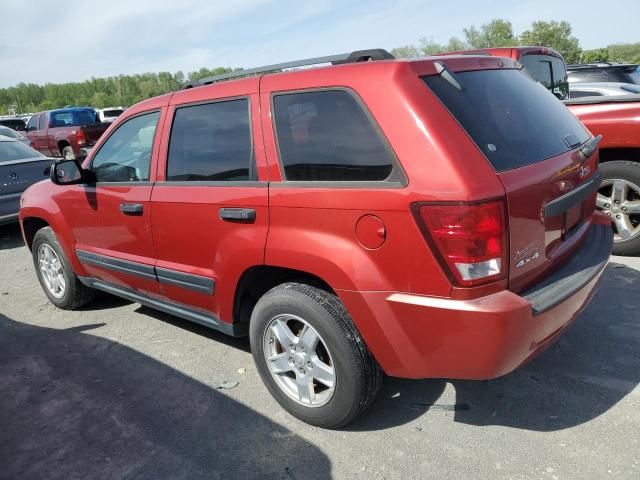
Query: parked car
[[14, 123], [444, 229], [11, 133], [604, 72], [617, 119], [581, 90], [109, 114], [20, 167], [64, 132]]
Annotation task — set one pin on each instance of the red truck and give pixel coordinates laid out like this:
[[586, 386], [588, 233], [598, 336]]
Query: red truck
[[617, 119], [446, 228], [65, 132]]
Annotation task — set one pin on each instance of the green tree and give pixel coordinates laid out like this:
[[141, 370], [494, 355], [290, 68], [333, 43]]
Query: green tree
[[408, 51], [556, 35], [624, 52], [496, 33], [594, 56]]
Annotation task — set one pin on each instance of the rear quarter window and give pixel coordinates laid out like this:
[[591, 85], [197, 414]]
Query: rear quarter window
[[513, 119], [326, 135]]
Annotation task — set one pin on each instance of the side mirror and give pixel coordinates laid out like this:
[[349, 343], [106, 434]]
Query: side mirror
[[68, 172]]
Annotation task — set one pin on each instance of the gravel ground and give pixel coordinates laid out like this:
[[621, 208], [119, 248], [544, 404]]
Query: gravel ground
[[121, 391]]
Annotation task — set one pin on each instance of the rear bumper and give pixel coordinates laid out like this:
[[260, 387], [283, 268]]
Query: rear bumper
[[415, 336]]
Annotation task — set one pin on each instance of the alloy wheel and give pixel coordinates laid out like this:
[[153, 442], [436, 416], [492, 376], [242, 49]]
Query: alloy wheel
[[620, 199], [51, 270], [299, 360]]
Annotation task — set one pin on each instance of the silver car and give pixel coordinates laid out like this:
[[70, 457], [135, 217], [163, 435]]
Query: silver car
[[20, 167], [601, 89], [11, 133]]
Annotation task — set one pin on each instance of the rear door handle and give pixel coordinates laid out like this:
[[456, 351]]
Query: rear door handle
[[244, 215], [131, 208]]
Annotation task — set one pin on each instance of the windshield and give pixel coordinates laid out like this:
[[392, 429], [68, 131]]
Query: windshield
[[13, 150], [513, 119], [68, 118]]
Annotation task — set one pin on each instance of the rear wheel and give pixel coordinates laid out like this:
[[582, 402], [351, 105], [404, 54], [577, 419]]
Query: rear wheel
[[619, 197], [67, 153], [59, 282], [311, 357]]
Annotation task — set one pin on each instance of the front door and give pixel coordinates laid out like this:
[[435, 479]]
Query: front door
[[209, 209], [110, 219]]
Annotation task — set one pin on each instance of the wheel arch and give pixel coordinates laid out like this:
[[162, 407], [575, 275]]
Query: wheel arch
[[630, 154], [257, 280]]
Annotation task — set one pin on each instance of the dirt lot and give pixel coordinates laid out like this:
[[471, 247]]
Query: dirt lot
[[121, 391]]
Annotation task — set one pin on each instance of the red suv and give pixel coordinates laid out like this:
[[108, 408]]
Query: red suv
[[425, 218]]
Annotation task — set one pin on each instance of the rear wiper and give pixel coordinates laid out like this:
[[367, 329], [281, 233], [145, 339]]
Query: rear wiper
[[588, 148], [448, 75]]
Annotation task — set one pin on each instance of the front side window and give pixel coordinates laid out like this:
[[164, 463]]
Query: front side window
[[327, 136], [211, 143], [125, 156], [41, 121]]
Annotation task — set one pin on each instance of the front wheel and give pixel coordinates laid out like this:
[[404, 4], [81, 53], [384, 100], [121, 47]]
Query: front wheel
[[619, 197], [59, 282], [67, 153], [311, 357]]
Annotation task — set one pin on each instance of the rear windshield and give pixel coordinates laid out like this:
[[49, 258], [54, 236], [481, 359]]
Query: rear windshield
[[68, 118], [112, 113], [513, 119], [632, 75], [13, 150]]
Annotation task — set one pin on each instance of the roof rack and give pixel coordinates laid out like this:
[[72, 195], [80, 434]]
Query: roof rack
[[353, 57]]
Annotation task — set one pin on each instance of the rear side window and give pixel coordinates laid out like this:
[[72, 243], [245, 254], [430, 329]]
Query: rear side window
[[327, 136], [211, 142], [512, 119], [549, 71]]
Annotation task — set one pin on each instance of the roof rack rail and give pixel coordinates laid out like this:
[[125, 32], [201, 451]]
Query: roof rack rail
[[353, 57]]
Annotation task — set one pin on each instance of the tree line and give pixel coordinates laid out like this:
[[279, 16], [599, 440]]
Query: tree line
[[125, 90]]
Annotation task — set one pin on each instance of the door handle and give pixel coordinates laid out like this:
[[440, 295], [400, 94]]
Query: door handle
[[243, 215], [131, 208]]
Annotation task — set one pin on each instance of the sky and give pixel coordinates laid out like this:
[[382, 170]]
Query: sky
[[74, 40]]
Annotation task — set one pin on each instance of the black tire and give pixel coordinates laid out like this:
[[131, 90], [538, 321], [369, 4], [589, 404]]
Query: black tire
[[630, 172], [358, 375], [67, 153], [75, 294]]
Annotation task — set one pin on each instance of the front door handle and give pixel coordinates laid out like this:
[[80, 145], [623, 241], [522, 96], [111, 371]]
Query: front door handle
[[243, 215], [131, 208]]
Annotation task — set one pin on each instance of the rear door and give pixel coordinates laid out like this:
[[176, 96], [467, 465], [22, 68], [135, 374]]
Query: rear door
[[209, 208], [532, 141]]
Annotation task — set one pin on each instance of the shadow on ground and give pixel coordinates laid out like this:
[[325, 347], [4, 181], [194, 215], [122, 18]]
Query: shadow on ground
[[10, 236], [591, 368], [75, 405]]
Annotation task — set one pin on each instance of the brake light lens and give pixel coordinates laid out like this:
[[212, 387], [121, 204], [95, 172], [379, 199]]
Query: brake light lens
[[80, 137], [469, 238]]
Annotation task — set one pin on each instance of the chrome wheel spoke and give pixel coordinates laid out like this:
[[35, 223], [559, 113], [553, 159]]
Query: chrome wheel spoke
[[309, 338], [283, 334], [279, 363], [632, 207], [51, 270], [624, 227], [323, 373], [619, 191], [602, 201], [306, 392]]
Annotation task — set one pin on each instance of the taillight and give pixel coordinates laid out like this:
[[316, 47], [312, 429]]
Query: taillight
[[80, 137], [470, 239]]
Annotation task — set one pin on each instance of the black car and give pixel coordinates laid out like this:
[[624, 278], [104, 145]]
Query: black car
[[16, 124], [604, 72]]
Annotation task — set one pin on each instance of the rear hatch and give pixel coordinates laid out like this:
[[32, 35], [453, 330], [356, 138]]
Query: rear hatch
[[539, 151]]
